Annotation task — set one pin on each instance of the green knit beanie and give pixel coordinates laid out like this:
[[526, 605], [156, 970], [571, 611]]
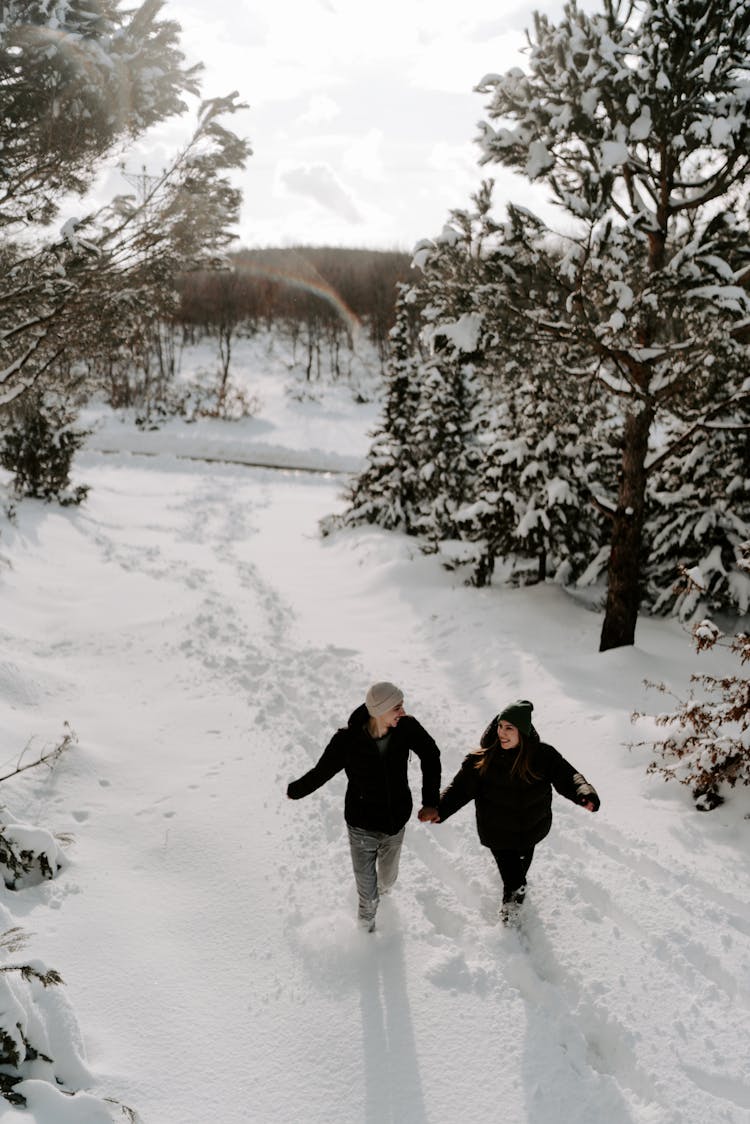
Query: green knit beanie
[[519, 715]]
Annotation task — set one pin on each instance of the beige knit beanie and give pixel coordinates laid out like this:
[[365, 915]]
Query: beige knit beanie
[[382, 697]]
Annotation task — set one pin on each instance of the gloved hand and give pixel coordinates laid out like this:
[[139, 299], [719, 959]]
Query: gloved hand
[[586, 794]]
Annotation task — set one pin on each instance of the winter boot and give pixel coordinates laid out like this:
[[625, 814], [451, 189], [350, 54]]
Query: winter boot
[[511, 907]]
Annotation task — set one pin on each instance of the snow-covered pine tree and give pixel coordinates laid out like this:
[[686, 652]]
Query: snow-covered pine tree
[[419, 466], [77, 79], [699, 505], [637, 120], [77, 82], [494, 450], [442, 436], [544, 450], [386, 491], [38, 443], [443, 441], [699, 518], [539, 473]]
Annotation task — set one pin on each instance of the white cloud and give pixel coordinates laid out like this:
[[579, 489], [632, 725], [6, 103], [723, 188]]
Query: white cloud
[[321, 110], [319, 182], [343, 94]]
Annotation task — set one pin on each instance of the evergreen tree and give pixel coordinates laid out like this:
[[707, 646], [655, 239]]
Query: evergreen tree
[[77, 79], [38, 446], [443, 444], [76, 84], [418, 466], [386, 491], [498, 451], [441, 433], [637, 120], [699, 519], [536, 481]]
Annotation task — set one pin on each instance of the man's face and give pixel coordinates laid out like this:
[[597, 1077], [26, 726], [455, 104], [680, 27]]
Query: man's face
[[391, 717]]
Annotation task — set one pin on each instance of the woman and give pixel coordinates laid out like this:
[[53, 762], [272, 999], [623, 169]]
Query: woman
[[510, 780]]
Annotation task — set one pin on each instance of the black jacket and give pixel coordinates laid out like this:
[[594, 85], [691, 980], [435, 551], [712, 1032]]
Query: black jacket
[[512, 814], [378, 797]]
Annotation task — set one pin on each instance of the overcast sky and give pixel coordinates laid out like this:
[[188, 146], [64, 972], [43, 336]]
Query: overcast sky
[[363, 114]]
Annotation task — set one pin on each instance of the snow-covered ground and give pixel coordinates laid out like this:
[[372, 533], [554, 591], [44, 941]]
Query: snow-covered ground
[[204, 642], [289, 429]]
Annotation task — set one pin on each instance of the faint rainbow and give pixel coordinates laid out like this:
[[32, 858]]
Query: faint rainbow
[[319, 287]]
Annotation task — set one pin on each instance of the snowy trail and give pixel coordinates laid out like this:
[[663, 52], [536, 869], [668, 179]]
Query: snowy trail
[[210, 643]]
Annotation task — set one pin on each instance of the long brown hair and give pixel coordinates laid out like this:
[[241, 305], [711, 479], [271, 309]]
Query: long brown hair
[[523, 758]]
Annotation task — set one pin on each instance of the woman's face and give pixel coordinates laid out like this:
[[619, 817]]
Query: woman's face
[[508, 735]]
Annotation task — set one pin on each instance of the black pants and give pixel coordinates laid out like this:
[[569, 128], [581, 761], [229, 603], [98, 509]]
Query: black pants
[[513, 867]]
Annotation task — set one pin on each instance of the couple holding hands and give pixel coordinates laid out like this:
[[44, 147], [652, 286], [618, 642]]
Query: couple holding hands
[[509, 777]]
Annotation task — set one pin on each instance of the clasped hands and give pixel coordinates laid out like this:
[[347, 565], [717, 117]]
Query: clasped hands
[[428, 815]]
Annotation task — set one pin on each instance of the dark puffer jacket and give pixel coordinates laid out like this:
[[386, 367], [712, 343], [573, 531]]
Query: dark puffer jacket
[[378, 797], [512, 814]]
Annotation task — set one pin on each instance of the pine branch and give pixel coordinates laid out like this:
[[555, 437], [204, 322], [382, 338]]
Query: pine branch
[[13, 940], [50, 978], [703, 422]]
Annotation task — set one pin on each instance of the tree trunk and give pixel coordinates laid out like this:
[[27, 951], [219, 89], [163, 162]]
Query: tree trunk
[[623, 575], [225, 353], [310, 353]]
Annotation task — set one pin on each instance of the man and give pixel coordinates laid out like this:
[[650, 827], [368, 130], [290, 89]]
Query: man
[[373, 749]]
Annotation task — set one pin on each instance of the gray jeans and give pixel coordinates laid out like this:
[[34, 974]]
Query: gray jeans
[[375, 857]]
